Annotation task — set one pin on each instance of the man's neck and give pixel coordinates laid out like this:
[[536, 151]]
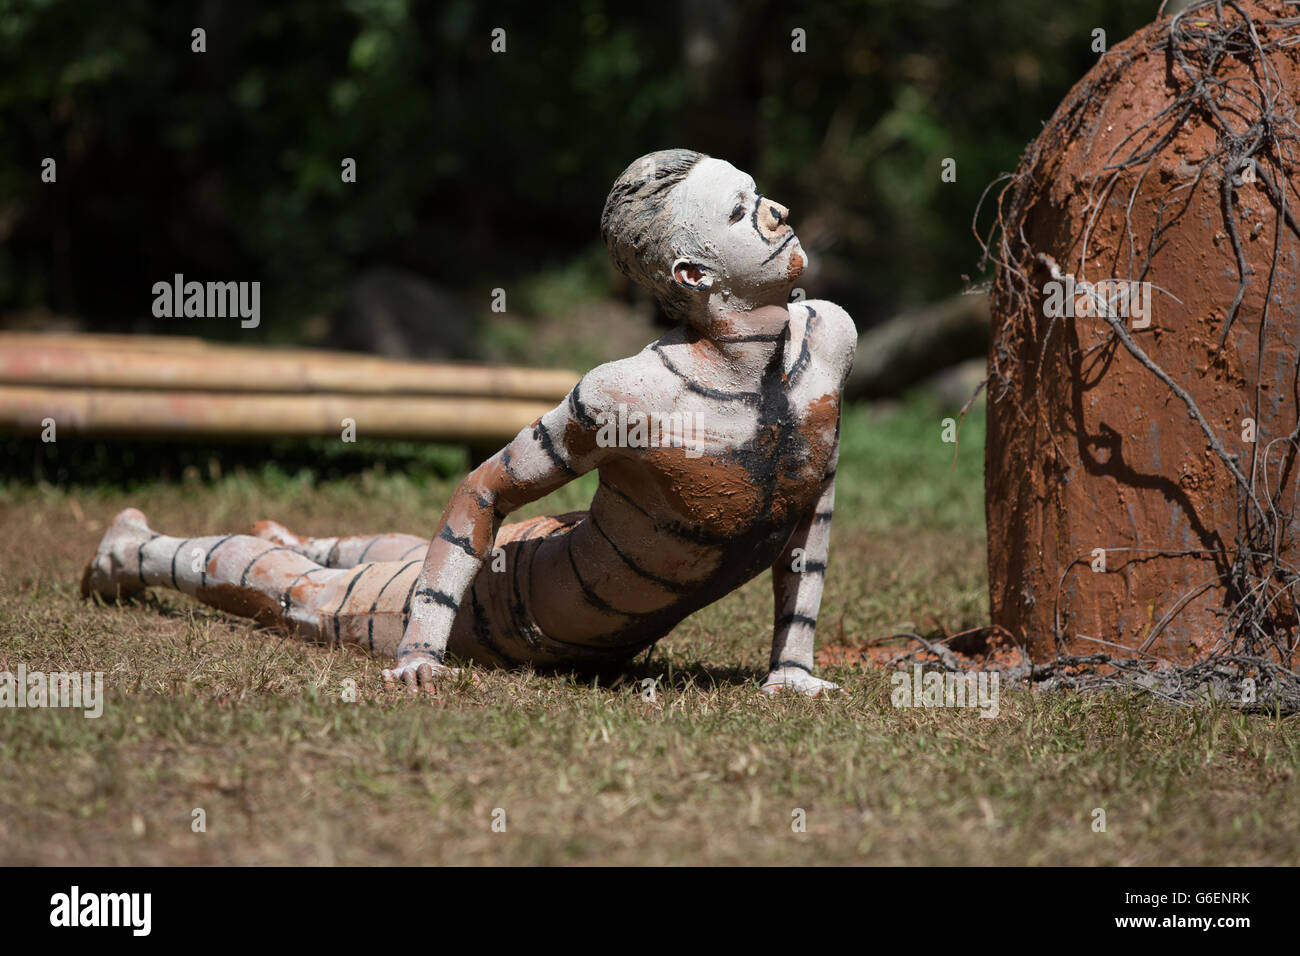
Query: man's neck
[[744, 339]]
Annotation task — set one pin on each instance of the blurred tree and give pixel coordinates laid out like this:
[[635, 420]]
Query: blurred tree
[[475, 167]]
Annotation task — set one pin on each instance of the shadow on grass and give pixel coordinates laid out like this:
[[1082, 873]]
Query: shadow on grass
[[669, 675], [130, 462]]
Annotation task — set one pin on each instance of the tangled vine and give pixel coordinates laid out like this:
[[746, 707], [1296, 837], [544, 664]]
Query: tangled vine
[[1251, 661]]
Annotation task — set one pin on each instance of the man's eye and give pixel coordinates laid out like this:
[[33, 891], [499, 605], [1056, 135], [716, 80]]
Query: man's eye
[[737, 214]]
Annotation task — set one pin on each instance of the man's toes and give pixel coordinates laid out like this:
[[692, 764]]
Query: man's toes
[[114, 572], [99, 580]]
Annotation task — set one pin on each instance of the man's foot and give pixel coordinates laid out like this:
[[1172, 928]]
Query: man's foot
[[114, 572], [277, 533], [798, 680]]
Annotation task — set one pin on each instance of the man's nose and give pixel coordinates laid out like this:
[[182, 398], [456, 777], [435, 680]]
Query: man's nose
[[774, 215]]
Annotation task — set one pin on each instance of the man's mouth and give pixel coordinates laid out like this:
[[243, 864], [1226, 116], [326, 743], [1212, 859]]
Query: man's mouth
[[798, 260], [785, 242]]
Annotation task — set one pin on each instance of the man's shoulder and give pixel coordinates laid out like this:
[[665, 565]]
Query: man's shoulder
[[829, 321], [830, 330], [627, 381]]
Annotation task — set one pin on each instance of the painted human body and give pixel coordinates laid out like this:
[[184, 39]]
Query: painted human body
[[673, 526]]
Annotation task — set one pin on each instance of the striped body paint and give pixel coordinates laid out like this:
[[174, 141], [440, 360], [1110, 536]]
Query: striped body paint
[[670, 530]]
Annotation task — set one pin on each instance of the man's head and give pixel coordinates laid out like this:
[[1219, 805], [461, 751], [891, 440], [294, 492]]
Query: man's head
[[684, 226]]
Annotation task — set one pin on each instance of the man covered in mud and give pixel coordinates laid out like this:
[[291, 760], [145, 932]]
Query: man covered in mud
[[674, 525]]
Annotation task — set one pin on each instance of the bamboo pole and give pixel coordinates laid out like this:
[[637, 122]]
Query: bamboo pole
[[110, 340], [190, 414], [191, 364]]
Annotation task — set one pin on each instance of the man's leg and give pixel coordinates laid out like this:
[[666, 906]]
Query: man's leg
[[350, 551], [346, 552], [369, 605], [252, 577]]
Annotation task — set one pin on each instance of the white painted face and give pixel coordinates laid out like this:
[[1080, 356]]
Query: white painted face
[[741, 240]]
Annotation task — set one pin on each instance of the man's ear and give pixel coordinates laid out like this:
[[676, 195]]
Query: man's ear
[[691, 274]]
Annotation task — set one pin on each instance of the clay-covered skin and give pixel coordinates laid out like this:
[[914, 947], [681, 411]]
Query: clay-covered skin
[[746, 484], [668, 532]]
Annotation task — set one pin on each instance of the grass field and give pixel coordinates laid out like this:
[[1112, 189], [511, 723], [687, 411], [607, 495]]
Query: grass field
[[204, 712]]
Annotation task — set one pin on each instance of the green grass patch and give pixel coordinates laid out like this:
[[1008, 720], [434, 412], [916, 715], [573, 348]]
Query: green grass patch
[[205, 713]]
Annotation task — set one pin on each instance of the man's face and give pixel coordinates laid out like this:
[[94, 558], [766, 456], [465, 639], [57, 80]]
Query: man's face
[[748, 246]]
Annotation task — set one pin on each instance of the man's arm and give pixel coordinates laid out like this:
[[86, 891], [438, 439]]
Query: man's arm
[[797, 580], [554, 450]]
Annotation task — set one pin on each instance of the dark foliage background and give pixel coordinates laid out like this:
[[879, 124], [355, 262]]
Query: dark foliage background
[[477, 169]]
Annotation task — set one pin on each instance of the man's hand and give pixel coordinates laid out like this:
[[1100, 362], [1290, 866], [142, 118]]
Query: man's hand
[[799, 680], [420, 673], [543, 457]]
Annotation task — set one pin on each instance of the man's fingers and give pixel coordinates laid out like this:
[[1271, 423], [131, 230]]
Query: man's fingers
[[424, 677]]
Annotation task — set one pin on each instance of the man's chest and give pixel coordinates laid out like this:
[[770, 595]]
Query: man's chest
[[738, 468]]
